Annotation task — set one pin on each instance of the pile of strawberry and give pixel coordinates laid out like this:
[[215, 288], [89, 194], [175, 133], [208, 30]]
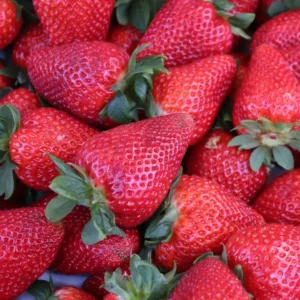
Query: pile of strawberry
[[136, 141]]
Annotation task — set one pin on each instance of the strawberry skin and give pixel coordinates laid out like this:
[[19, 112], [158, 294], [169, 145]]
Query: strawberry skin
[[228, 166], [78, 77], [28, 245], [198, 88], [269, 256], [72, 293], [28, 42], [186, 30], [45, 130], [293, 58], [269, 90], [10, 26], [280, 201], [67, 21], [209, 279], [22, 99], [126, 37], [207, 216], [111, 297], [4, 81]]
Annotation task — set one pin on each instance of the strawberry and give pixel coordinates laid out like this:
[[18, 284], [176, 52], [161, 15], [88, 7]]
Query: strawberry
[[266, 105], [279, 202], [126, 37], [72, 293], [22, 99], [111, 297], [269, 256], [293, 58], [199, 29], [228, 166], [123, 174], [10, 21], [31, 40], [67, 21], [198, 88], [201, 216], [4, 80], [28, 244], [209, 279], [25, 144]]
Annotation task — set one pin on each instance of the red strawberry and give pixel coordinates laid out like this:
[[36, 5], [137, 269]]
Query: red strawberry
[[4, 81], [22, 99], [111, 297], [125, 36], [28, 42], [269, 256], [228, 166], [280, 201], [28, 245], [293, 58], [202, 215], [184, 30], [126, 171], [198, 88], [209, 279], [67, 21], [72, 293], [10, 22]]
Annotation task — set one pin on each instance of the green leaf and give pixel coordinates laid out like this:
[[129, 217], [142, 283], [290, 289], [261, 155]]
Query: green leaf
[[239, 32], [7, 178], [292, 4], [223, 4], [10, 72], [139, 14], [203, 256], [242, 20], [276, 8], [140, 88], [122, 12], [258, 157], [58, 208], [241, 140], [62, 167], [283, 157], [295, 144], [5, 91], [40, 290], [224, 256], [9, 118], [238, 271], [253, 126]]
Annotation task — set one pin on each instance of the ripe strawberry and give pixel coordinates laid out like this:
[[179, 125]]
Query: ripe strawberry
[[198, 88], [126, 171], [202, 215], [4, 81], [67, 21], [28, 244], [269, 256], [279, 202], [111, 297], [28, 42], [125, 36], [197, 30], [209, 279], [228, 166], [293, 58], [22, 99], [10, 23], [72, 293]]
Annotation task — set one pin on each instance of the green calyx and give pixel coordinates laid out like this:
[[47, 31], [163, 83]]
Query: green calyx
[[281, 6], [42, 290], [238, 22], [160, 226], [145, 281], [134, 91], [9, 123], [138, 13], [270, 141], [25, 8], [16, 73], [75, 188]]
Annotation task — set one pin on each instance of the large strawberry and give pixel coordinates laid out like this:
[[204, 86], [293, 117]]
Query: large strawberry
[[198, 88], [269, 256], [267, 106], [67, 21], [124, 173], [11, 22], [184, 30], [201, 216], [28, 244], [209, 279], [4, 80], [28, 42], [26, 142], [228, 166]]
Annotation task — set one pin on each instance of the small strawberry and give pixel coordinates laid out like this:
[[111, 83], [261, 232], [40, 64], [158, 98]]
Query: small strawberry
[[124, 174], [22, 99], [201, 216], [28, 42], [28, 245], [269, 257], [4, 80], [266, 107], [209, 279], [228, 166], [198, 88], [185, 30], [11, 22], [67, 21], [126, 37]]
